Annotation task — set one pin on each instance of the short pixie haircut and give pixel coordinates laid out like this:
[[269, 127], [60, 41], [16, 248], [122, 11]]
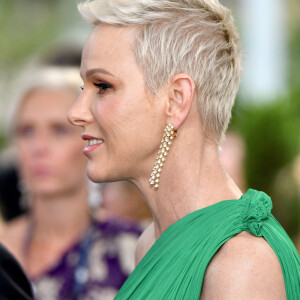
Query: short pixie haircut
[[196, 37]]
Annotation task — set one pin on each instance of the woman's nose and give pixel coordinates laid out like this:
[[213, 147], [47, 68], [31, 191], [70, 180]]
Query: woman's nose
[[40, 144], [80, 114]]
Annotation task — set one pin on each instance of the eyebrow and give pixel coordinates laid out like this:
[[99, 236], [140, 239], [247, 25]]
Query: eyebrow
[[97, 70]]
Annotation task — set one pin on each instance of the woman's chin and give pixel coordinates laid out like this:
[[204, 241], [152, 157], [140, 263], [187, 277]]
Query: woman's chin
[[97, 175], [101, 175], [94, 177]]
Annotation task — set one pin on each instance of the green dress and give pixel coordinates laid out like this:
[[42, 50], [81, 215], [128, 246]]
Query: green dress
[[175, 266]]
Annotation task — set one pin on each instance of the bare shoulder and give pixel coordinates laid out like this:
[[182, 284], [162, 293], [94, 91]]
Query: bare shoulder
[[145, 242], [12, 235], [245, 267]]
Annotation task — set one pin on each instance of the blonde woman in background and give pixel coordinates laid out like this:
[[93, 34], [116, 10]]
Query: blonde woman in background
[[64, 250], [160, 79]]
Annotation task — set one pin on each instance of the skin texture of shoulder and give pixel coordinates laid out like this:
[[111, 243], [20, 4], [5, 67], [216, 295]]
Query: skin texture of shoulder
[[145, 242], [246, 267]]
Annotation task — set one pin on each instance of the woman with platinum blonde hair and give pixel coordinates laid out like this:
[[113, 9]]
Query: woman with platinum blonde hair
[[160, 79]]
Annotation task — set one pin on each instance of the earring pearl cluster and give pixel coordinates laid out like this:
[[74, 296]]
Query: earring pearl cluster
[[166, 142]]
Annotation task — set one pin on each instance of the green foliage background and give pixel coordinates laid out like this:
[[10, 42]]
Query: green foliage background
[[272, 135]]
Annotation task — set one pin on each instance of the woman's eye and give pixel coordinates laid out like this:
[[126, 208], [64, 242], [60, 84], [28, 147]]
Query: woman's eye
[[82, 87], [60, 129], [25, 131], [102, 86]]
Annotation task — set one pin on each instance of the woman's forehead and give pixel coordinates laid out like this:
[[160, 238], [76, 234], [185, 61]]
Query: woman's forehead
[[108, 45], [46, 101]]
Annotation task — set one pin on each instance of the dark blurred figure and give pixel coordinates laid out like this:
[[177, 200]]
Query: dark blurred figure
[[13, 282], [67, 56], [10, 195]]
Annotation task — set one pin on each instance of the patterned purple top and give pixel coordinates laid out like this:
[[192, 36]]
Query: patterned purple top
[[95, 267]]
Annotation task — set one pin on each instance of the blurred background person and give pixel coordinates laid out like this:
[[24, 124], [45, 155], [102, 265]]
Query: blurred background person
[[232, 154], [10, 185], [121, 199], [296, 173], [64, 250]]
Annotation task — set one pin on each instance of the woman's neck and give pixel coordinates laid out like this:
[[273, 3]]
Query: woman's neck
[[60, 217], [192, 178]]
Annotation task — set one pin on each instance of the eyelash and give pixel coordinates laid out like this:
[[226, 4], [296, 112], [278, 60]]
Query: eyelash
[[101, 86]]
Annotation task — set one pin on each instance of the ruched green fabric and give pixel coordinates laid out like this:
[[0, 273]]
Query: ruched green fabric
[[174, 267]]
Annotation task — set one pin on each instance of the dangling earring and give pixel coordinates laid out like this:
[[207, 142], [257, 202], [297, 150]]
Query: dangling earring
[[166, 142]]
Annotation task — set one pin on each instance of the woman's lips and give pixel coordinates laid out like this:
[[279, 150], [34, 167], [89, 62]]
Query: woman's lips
[[88, 149], [93, 143], [41, 172]]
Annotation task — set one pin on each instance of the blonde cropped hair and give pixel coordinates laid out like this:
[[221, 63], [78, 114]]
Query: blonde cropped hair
[[196, 37], [49, 78]]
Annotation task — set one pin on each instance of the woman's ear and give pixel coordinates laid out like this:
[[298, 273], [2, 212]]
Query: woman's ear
[[180, 97]]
